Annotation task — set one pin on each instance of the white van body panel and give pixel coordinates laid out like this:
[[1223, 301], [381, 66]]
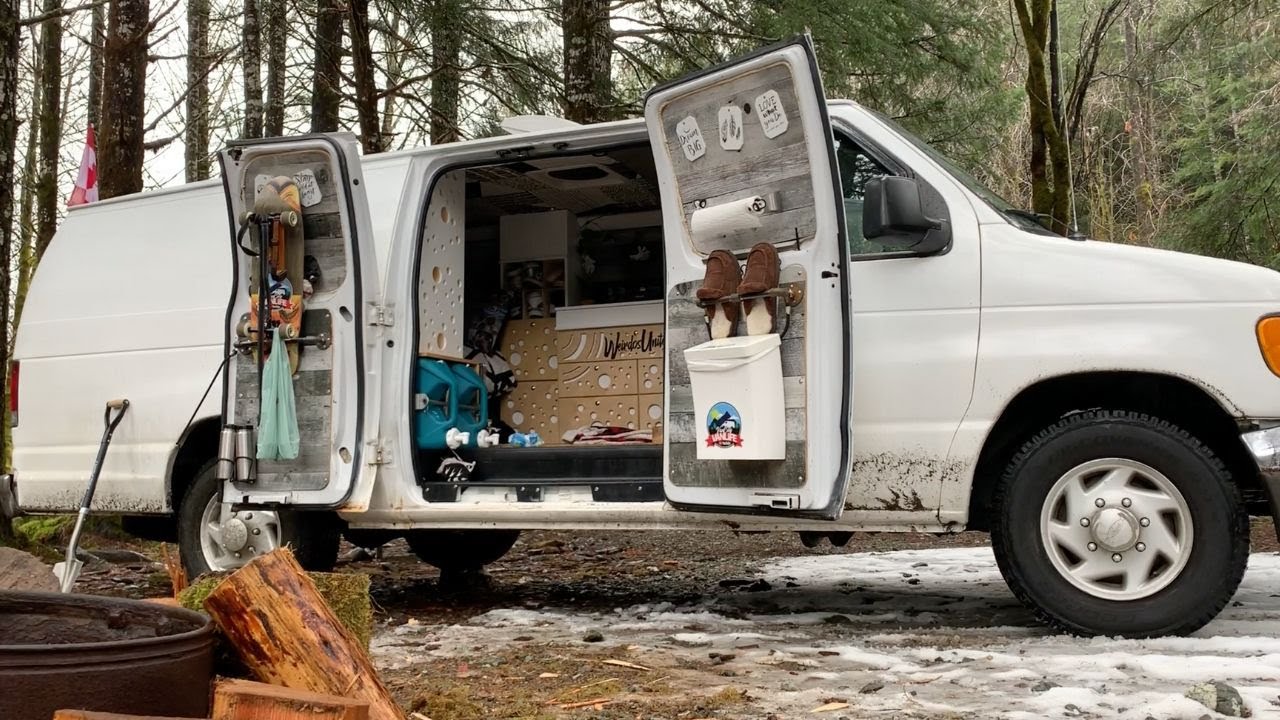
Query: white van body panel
[[128, 301], [942, 344]]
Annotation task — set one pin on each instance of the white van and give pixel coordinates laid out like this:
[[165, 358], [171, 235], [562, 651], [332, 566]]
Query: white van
[[937, 361]]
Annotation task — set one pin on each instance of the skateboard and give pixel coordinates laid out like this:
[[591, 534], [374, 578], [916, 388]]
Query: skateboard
[[277, 217]]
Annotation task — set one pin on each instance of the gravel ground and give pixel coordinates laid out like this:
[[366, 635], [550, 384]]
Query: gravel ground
[[510, 643]]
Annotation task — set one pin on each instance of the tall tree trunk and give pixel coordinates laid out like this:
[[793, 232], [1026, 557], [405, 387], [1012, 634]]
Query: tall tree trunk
[[1139, 124], [197, 133], [97, 36], [446, 75], [1050, 194], [393, 69], [366, 90], [26, 208], [120, 151], [251, 63], [326, 80], [275, 29], [50, 126], [9, 44], [588, 60]]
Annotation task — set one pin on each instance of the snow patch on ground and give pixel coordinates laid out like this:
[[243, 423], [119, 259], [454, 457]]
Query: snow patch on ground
[[954, 642]]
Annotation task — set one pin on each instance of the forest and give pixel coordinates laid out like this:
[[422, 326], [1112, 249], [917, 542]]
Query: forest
[[1151, 122]]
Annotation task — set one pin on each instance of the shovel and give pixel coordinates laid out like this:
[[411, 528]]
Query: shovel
[[68, 570]]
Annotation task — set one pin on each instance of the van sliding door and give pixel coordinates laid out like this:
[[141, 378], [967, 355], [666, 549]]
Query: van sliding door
[[298, 211]]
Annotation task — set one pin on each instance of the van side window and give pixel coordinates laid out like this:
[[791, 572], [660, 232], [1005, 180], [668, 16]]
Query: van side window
[[856, 168]]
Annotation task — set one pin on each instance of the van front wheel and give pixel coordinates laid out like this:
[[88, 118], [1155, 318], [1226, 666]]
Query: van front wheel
[[1118, 523], [212, 537], [460, 550]]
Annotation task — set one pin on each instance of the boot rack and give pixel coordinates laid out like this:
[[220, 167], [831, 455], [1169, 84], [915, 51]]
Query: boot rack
[[784, 297]]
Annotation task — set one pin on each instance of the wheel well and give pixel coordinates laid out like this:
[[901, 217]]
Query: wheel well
[[195, 449], [1170, 398]]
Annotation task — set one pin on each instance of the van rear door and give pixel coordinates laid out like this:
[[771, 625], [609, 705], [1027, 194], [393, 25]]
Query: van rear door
[[745, 155], [329, 275]]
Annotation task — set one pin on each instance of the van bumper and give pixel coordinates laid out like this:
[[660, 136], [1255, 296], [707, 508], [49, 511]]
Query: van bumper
[[8, 497], [1264, 446]]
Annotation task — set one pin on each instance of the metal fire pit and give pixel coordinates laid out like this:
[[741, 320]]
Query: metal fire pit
[[94, 653]]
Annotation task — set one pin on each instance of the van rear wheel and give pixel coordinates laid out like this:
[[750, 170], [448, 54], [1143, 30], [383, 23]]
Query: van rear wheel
[[460, 550], [1118, 523], [212, 537]]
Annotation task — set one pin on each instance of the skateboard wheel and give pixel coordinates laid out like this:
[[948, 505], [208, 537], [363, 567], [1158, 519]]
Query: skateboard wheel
[[289, 218], [288, 332]]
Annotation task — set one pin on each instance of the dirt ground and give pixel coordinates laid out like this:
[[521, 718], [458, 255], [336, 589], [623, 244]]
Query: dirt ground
[[551, 668]]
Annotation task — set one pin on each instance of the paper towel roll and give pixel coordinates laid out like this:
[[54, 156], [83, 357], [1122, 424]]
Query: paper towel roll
[[720, 220]]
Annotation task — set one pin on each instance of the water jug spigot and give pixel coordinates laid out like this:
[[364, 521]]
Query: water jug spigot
[[488, 438], [456, 438]]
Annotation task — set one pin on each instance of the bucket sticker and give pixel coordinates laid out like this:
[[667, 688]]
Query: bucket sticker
[[724, 426]]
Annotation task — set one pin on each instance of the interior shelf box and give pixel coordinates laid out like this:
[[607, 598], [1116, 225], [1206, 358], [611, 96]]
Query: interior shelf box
[[592, 363], [610, 360]]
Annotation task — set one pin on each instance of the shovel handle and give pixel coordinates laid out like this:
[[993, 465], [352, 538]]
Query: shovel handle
[[117, 404]]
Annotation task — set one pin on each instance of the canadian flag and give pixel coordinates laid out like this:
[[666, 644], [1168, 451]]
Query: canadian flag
[[87, 182]]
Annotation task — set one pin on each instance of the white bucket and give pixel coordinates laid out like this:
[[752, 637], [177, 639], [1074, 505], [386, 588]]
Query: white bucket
[[737, 398]]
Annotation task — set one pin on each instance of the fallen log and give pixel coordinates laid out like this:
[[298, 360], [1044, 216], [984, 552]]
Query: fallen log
[[274, 617], [245, 700]]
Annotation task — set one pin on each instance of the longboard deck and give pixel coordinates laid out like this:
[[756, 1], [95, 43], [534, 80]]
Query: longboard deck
[[285, 259]]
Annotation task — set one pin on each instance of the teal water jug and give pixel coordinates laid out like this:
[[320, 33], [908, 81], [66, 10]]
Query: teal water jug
[[434, 402], [471, 400]]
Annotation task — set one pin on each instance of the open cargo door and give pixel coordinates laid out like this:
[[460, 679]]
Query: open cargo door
[[758, 421], [299, 218]]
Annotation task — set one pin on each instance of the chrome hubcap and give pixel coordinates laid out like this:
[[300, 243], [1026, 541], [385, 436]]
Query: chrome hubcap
[[1116, 529], [230, 538]]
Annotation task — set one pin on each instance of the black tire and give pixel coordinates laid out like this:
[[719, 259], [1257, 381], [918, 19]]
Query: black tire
[[1220, 522], [460, 550], [313, 536]]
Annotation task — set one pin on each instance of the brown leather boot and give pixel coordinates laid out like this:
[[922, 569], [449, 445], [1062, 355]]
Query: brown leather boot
[[763, 267], [722, 277]]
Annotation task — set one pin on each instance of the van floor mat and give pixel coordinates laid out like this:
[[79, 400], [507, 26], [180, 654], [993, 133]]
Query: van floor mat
[[631, 473], [571, 465]]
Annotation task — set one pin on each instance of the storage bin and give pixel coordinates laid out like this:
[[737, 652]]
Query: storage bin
[[737, 398], [435, 403]]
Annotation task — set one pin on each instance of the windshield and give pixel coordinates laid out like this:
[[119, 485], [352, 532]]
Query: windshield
[[1015, 216]]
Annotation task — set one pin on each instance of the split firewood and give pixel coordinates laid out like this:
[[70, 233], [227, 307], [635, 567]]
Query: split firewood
[[173, 567], [274, 617], [90, 715], [346, 594], [245, 700]]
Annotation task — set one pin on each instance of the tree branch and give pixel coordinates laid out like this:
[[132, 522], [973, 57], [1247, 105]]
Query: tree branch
[[60, 12]]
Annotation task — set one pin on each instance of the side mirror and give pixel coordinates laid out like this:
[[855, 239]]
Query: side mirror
[[892, 215]]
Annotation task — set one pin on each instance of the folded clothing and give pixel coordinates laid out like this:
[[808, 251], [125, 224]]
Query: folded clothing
[[597, 433]]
